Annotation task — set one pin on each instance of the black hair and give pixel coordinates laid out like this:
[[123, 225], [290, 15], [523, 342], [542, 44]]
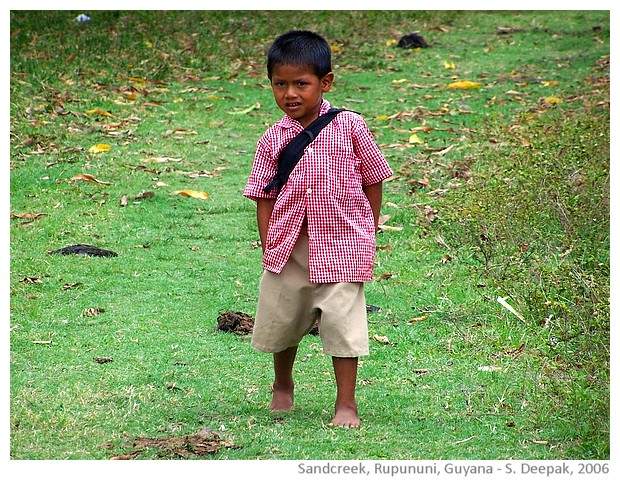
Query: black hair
[[300, 47]]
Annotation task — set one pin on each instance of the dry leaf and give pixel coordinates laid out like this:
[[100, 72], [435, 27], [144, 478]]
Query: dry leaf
[[553, 100], [99, 111], [246, 110], [192, 193], [384, 276], [414, 138], [381, 339], [160, 160], [87, 177], [100, 147], [418, 319], [31, 280], [449, 65], [507, 306], [464, 84], [34, 216], [92, 312]]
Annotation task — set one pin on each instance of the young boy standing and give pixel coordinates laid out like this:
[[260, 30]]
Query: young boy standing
[[318, 231]]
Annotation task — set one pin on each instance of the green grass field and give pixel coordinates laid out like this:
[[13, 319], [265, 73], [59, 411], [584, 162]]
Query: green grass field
[[501, 191]]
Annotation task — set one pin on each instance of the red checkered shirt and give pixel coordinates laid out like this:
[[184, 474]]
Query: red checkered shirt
[[326, 186]]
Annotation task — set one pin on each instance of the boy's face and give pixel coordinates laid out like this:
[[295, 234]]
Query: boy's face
[[299, 92]]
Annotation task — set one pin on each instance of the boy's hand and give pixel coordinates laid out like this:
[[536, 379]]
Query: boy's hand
[[264, 208]]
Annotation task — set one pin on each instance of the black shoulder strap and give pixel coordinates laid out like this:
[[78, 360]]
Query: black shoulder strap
[[292, 152]]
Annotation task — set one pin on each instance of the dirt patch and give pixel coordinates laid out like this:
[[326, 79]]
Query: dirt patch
[[242, 323], [199, 444], [235, 322]]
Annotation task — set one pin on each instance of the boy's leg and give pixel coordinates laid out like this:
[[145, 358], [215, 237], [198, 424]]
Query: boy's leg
[[282, 400], [345, 370]]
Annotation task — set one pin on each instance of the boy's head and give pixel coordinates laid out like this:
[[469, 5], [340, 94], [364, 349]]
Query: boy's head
[[300, 48]]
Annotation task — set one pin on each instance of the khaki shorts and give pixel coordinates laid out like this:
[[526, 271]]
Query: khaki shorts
[[289, 306]]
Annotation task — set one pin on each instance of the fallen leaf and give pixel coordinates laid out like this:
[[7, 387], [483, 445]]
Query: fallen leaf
[[414, 138], [550, 83], [99, 111], [192, 193], [449, 65], [103, 359], [502, 301], [418, 319], [179, 131], [381, 339], [87, 177], [553, 100], [35, 216], [160, 160], [384, 276], [246, 110], [99, 148], [92, 312], [68, 286], [464, 84], [31, 280]]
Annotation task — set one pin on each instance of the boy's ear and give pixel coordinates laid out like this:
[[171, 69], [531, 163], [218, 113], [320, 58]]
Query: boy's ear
[[326, 82]]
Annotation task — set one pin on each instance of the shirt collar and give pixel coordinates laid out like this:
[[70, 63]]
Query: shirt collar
[[288, 122]]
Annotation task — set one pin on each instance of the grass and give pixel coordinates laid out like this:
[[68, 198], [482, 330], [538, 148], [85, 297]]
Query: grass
[[507, 196]]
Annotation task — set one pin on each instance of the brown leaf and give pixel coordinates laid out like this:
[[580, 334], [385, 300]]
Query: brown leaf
[[35, 216], [103, 359], [384, 276], [418, 319], [87, 177], [92, 312], [31, 280]]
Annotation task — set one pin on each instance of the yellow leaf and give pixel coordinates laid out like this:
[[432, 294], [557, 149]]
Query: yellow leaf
[[99, 111], [148, 44], [87, 177], [390, 42], [551, 83], [100, 147], [415, 139], [336, 48], [400, 80], [464, 84], [382, 117], [192, 193], [449, 65], [553, 100]]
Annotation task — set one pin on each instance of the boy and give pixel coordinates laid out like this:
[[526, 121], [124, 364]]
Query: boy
[[318, 231]]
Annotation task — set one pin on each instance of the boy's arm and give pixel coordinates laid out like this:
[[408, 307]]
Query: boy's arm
[[374, 194], [264, 207]]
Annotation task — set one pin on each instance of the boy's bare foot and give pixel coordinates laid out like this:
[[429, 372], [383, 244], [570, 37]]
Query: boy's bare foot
[[281, 401], [346, 417]]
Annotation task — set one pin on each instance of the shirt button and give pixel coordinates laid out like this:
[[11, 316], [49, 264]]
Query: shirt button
[[309, 191], [310, 150]]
